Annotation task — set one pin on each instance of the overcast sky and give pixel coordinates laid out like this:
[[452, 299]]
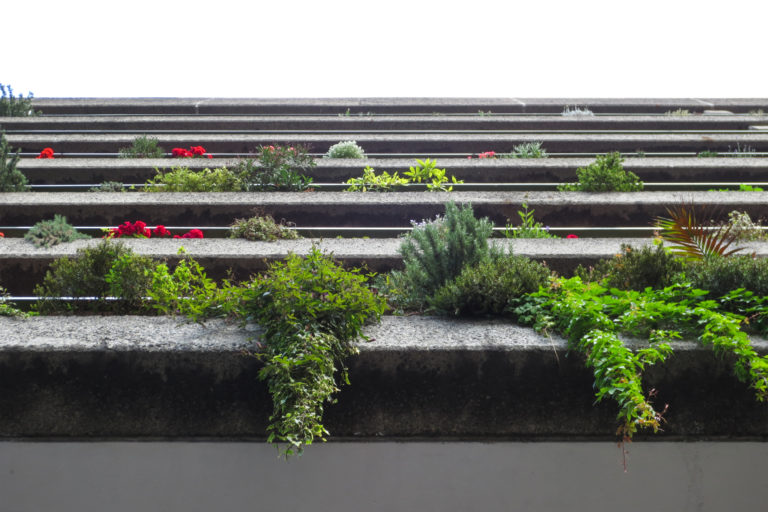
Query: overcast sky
[[339, 48]]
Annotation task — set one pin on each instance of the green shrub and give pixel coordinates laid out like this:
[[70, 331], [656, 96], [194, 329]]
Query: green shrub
[[426, 171], [528, 150], [183, 179], [108, 186], [18, 106], [605, 174], [490, 287], [345, 149], [8, 308], [279, 169], [721, 275], [142, 147], [634, 269], [11, 179], [48, 233], [311, 310], [370, 181], [86, 276], [261, 227], [436, 252]]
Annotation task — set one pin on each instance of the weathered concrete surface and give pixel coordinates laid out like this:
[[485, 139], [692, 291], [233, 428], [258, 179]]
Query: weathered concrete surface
[[382, 105], [404, 143], [22, 265], [683, 169], [349, 209], [422, 122], [139, 377]]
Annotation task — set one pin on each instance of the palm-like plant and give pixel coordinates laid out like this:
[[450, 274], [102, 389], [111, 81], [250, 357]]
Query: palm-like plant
[[690, 239]]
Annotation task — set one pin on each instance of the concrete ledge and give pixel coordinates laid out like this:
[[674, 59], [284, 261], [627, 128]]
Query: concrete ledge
[[357, 209], [22, 265], [97, 170], [149, 377], [403, 143], [470, 121], [382, 105]]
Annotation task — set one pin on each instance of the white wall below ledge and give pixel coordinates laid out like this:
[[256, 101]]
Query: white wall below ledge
[[381, 476]]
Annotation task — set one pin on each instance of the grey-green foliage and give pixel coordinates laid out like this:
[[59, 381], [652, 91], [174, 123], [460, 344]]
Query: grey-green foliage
[[345, 149], [142, 147], [605, 174], [48, 233], [261, 227], [108, 186], [11, 179], [528, 150], [18, 106], [490, 287], [436, 252]]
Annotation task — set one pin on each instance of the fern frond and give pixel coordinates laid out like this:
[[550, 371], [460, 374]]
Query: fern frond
[[690, 239]]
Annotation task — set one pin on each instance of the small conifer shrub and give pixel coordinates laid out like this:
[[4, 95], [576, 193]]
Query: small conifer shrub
[[48, 233]]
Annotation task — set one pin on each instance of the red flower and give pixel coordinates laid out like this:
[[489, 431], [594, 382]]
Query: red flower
[[2, 235], [192, 233], [46, 153], [197, 150], [160, 231], [210, 156], [487, 154], [572, 236], [137, 230], [181, 153]]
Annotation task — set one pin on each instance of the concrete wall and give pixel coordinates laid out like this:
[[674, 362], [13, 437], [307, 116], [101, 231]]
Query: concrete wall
[[384, 476]]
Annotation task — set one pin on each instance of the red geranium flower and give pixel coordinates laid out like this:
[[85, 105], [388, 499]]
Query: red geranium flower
[[181, 153], [160, 231], [192, 233], [2, 235], [46, 153], [572, 236], [197, 150]]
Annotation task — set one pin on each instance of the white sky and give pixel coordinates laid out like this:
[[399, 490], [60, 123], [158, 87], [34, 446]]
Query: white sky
[[339, 48]]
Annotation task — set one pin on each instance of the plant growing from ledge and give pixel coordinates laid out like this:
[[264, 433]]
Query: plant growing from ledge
[[18, 106], [8, 308], [108, 186], [528, 150], [11, 179], [183, 179], [142, 147], [605, 174], [261, 227], [279, 169], [576, 111], [372, 182], [690, 239], [311, 310], [427, 171], [528, 228], [48, 233], [345, 149]]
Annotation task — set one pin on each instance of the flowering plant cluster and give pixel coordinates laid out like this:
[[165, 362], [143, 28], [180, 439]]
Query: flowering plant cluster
[[2, 235], [486, 154], [46, 153], [139, 229], [192, 152]]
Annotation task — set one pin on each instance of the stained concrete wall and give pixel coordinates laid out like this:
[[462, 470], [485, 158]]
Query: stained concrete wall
[[382, 477]]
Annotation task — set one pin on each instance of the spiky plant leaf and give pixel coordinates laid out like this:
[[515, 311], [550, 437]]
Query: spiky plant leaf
[[690, 239]]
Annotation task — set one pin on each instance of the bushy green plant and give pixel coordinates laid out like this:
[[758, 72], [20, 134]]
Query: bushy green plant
[[11, 179], [721, 275], [183, 179], [490, 287], [707, 154], [528, 150], [142, 147], [86, 276], [528, 228], [261, 227], [426, 171], [345, 149], [18, 106], [48, 233], [634, 269], [605, 174], [311, 310], [743, 228], [370, 181], [279, 169], [108, 186], [8, 308], [436, 252]]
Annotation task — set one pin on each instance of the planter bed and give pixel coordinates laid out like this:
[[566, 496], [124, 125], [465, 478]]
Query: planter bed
[[113, 377]]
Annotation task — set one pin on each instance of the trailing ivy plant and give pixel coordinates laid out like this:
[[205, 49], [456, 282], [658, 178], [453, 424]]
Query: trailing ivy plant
[[311, 310]]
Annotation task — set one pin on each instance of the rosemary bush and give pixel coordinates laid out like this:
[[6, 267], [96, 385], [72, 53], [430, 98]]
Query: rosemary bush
[[18, 106]]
